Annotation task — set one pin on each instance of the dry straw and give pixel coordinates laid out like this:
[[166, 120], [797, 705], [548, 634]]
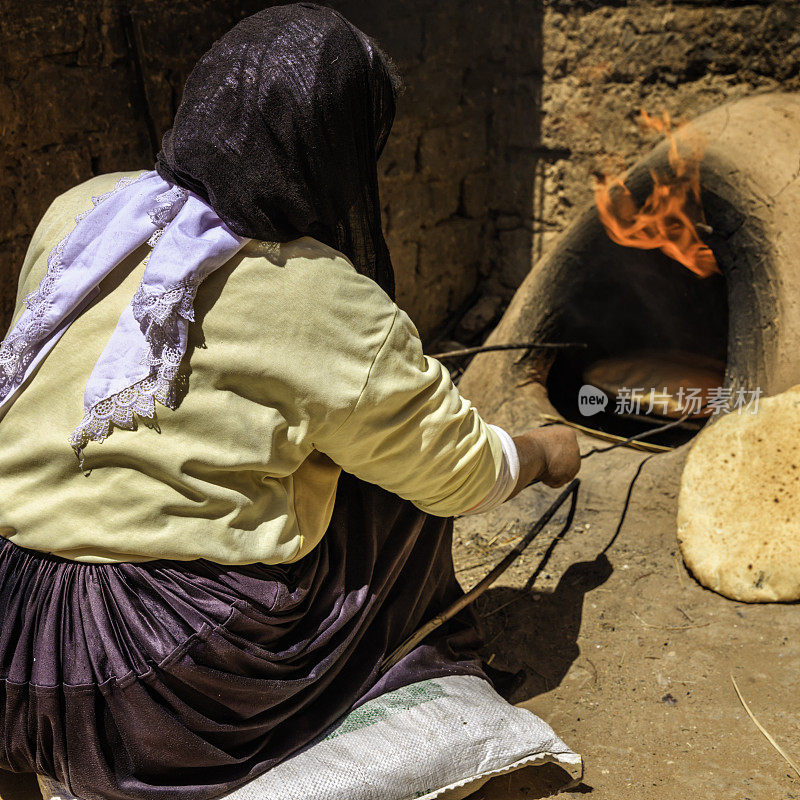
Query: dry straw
[[763, 730]]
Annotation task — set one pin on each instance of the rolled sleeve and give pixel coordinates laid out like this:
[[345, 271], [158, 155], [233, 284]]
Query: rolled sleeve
[[412, 433]]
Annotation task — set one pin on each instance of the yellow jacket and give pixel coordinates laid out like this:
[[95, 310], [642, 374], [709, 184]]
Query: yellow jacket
[[299, 367]]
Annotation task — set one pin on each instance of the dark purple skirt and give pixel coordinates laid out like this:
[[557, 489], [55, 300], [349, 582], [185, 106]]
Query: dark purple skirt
[[185, 680]]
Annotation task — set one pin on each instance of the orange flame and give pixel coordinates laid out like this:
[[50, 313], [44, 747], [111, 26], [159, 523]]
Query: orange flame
[[669, 217]]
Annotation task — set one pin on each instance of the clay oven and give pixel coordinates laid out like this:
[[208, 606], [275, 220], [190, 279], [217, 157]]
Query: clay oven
[[618, 299]]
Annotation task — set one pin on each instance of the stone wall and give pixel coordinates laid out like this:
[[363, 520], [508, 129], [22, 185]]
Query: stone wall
[[458, 170], [510, 108], [90, 86]]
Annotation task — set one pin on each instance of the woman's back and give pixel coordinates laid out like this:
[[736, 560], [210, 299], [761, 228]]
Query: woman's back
[[288, 341], [223, 477]]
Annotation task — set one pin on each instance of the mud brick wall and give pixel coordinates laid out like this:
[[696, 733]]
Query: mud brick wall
[[510, 107], [90, 86], [603, 61], [458, 170]]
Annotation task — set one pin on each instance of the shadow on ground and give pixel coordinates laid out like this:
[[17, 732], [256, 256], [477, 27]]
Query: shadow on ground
[[538, 632]]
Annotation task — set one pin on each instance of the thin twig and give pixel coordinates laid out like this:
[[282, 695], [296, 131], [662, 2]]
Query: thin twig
[[497, 535], [764, 730], [470, 567], [647, 447], [502, 607], [689, 424], [488, 348], [627, 504], [409, 644], [594, 670], [639, 436], [548, 553]]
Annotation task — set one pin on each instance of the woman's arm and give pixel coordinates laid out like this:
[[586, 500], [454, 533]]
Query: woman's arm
[[412, 432]]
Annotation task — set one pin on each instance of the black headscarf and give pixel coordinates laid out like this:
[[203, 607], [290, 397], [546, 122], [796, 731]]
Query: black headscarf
[[280, 129]]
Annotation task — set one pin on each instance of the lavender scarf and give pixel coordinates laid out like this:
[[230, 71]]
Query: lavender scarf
[[140, 363]]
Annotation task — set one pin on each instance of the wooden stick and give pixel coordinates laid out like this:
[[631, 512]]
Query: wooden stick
[[133, 42], [409, 644], [638, 437], [488, 348], [609, 437]]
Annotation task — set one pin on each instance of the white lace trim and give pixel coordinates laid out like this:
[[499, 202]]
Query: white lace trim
[[119, 409], [158, 308], [159, 314], [18, 349], [169, 204], [163, 384]]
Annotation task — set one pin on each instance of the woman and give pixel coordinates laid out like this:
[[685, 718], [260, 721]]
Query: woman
[[187, 605]]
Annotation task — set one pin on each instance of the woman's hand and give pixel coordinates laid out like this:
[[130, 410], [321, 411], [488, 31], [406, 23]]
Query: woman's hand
[[549, 455]]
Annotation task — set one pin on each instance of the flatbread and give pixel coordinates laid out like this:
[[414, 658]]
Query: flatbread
[[739, 504], [664, 377]]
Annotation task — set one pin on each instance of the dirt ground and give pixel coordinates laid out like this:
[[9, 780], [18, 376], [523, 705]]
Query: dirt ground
[[626, 656]]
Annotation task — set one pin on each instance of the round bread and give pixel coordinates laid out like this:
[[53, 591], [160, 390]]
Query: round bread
[[660, 377], [739, 505]]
